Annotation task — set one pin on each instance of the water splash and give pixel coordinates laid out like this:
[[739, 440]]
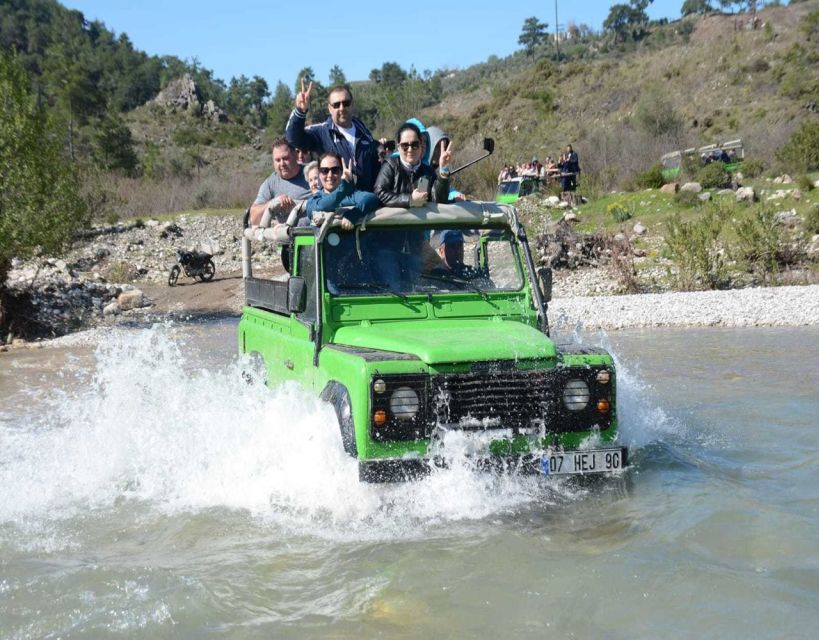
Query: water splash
[[150, 425], [641, 419]]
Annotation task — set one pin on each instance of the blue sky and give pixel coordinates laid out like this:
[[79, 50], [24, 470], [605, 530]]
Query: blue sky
[[276, 40]]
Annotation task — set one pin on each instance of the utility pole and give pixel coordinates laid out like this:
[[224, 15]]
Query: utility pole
[[557, 37]]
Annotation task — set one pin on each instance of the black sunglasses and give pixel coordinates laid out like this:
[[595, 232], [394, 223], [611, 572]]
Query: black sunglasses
[[406, 146], [334, 170], [338, 104]]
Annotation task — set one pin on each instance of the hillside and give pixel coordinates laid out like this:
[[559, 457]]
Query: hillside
[[691, 82], [694, 81]]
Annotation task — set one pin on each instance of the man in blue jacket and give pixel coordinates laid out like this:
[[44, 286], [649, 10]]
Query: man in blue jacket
[[341, 133]]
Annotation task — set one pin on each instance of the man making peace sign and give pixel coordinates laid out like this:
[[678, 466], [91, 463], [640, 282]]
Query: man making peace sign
[[341, 133]]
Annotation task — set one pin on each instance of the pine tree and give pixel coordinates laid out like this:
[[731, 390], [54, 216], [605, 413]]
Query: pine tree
[[40, 202], [532, 34]]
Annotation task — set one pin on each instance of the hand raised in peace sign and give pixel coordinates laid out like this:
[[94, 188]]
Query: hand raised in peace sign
[[446, 153], [303, 97], [347, 170]]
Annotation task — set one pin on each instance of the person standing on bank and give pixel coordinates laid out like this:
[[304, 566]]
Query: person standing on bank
[[341, 133]]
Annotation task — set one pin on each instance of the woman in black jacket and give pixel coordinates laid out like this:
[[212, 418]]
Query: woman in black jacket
[[405, 181]]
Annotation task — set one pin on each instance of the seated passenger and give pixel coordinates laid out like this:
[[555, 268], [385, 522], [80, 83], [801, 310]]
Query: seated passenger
[[449, 244], [338, 190], [282, 189], [406, 181], [311, 174]]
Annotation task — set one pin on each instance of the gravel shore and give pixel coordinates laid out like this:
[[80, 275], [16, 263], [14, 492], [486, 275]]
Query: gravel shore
[[775, 306], [82, 291]]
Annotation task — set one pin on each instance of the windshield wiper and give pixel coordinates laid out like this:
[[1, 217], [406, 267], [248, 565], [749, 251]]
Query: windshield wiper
[[371, 286], [455, 280]]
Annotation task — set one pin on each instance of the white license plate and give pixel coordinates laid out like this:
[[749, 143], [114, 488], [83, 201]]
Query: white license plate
[[582, 462]]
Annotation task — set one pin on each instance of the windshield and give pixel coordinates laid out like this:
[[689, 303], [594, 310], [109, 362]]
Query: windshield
[[509, 188], [380, 261]]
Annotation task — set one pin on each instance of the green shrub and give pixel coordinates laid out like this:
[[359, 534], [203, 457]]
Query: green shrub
[[621, 211], [687, 199], [190, 136], [203, 197], [801, 152], [805, 183], [230, 136], [651, 178], [759, 243], [713, 176], [694, 247], [655, 113], [812, 219], [752, 168], [121, 272]]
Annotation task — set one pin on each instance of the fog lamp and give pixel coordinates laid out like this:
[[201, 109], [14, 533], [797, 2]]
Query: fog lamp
[[379, 386], [576, 395], [404, 403], [603, 405], [603, 376], [380, 417]]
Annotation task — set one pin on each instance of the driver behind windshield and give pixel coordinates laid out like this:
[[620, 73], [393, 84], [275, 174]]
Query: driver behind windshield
[[449, 245]]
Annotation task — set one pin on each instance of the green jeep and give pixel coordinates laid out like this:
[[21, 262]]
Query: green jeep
[[410, 337]]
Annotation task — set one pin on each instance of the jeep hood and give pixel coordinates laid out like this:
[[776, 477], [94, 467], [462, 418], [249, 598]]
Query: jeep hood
[[443, 341]]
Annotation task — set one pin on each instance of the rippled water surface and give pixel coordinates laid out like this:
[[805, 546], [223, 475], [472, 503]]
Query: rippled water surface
[[147, 491]]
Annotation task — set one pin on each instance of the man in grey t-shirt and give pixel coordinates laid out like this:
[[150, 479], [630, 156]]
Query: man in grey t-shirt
[[282, 188]]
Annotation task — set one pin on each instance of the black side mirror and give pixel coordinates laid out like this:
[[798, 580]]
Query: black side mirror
[[488, 145], [544, 282], [296, 294]]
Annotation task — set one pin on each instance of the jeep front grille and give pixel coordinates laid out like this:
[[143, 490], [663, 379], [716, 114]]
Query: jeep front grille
[[500, 397]]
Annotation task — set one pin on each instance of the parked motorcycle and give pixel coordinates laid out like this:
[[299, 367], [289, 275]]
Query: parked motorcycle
[[196, 264]]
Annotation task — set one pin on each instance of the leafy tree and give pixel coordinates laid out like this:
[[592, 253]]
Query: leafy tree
[[392, 75], [258, 91], [308, 75], [40, 205], [532, 34], [113, 146], [627, 21], [337, 76], [279, 108], [700, 7]]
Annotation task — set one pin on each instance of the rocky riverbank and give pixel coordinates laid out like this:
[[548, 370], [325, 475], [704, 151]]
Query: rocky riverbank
[[119, 274]]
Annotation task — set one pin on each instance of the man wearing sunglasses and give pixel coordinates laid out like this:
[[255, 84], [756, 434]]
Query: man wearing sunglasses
[[341, 133], [406, 181], [283, 188]]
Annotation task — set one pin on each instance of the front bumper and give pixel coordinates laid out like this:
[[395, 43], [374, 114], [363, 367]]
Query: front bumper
[[408, 469]]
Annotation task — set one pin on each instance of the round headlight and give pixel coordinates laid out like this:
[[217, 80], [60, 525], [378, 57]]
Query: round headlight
[[379, 386], [404, 403], [576, 395], [603, 376]]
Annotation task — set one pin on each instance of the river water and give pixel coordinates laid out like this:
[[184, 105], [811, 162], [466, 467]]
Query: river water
[[147, 491]]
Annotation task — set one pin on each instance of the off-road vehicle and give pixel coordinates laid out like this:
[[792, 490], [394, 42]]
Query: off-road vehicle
[[407, 347]]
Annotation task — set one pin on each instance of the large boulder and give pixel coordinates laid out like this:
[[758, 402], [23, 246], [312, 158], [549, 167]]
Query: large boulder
[[181, 94], [746, 194], [133, 299], [693, 187], [671, 187]]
